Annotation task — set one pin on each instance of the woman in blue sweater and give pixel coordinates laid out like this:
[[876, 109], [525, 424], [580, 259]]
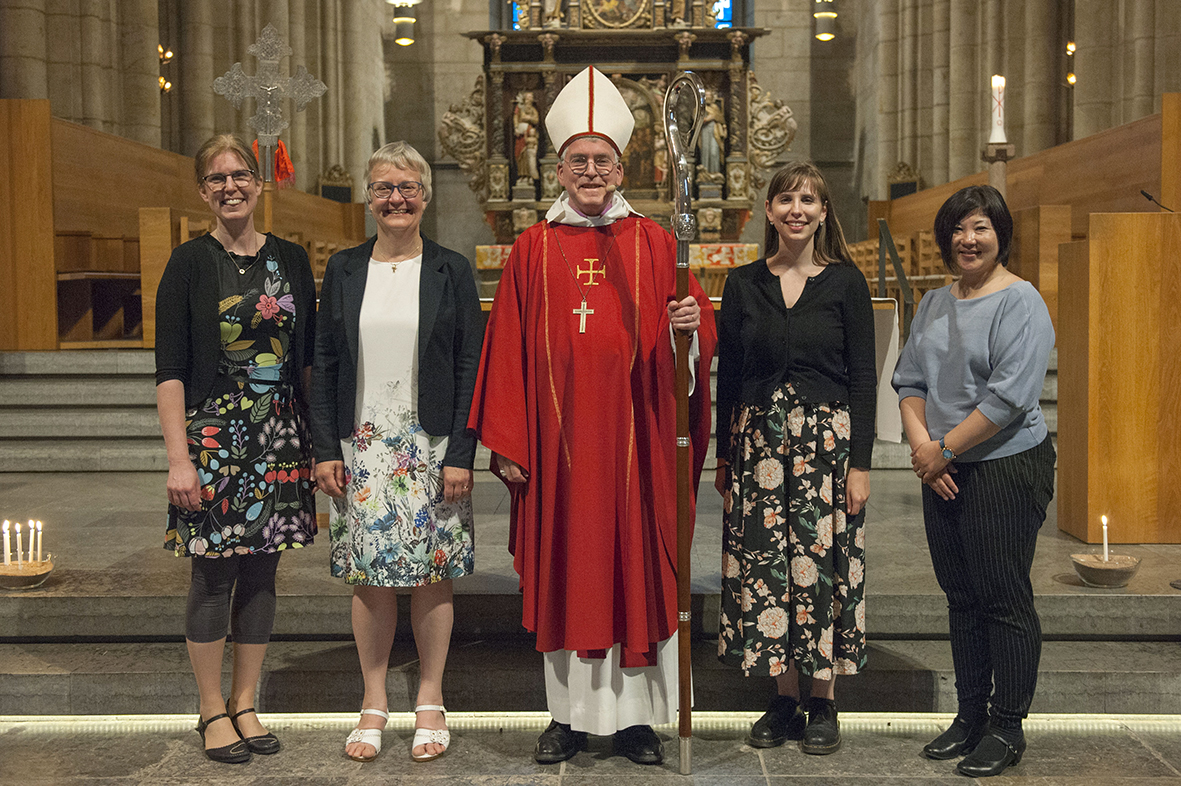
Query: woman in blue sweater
[[968, 381], [796, 404]]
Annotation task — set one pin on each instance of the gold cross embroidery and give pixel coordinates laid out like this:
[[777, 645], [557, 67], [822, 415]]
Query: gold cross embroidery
[[602, 271]]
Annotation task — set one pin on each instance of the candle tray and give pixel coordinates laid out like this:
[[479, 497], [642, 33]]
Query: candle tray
[[1117, 571], [29, 576]]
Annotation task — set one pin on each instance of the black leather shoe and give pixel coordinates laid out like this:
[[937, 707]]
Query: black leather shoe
[[640, 744], [234, 753], [960, 739], [264, 744], [822, 735], [992, 756], [784, 720], [558, 743]]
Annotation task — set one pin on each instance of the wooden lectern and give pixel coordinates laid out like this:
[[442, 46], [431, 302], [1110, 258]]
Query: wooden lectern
[[1119, 379]]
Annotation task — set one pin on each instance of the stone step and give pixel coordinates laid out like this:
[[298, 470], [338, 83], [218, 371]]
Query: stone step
[[79, 362], [74, 422], [506, 675], [62, 390], [84, 455]]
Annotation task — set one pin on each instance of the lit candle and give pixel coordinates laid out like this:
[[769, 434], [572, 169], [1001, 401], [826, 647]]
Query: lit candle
[[38, 541], [1104, 520], [7, 545], [32, 539], [997, 136], [19, 566]]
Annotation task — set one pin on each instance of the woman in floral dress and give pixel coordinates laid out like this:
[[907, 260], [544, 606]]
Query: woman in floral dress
[[796, 405], [235, 327], [396, 356]]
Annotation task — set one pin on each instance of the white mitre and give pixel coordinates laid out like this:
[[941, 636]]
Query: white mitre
[[589, 105]]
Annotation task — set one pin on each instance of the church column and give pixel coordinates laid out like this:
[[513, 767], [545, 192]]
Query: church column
[[1167, 71], [941, 50], [1094, 65], [306, 174], [362, 117], [1139, 60], [23, 72], [887, 77], [95, 55], [963, 73], [907, 82], [330, 130], [195, 85], [63, 46], [140, 33], [1039, 121]]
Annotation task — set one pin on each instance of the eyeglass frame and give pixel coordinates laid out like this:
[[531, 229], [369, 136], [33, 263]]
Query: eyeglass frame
[[227, 176], [586, 166], [419, 190]]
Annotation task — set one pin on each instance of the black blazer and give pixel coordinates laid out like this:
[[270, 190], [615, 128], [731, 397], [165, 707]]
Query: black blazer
[[450, 334]]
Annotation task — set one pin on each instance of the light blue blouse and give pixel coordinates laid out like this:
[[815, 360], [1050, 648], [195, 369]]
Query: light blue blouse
[[988, 353]]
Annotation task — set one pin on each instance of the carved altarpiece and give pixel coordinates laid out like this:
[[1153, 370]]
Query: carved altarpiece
[[633, 42]]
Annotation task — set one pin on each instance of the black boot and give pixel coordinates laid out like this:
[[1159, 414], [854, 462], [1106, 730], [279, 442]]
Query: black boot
[[823, 732], [784, 720], [558, 743], [960, 739], [998, 750]]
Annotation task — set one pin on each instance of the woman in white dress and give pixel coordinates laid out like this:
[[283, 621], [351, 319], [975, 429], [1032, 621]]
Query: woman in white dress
[[397, 347]]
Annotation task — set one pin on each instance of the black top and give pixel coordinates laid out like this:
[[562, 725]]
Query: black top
[[823, 345], [450, 334], [188, 339]]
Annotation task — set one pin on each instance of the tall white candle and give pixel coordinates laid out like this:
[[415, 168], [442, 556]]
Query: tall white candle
[[38, 541], [997, 135], [1104, 520], [7, 545], [19, 564], [32, 539]]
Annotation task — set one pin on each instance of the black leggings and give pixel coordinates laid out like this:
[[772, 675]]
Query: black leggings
[[982, 545], [209, 611]]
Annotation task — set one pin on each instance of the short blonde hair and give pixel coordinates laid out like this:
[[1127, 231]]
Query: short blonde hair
[[223, 143], [400, 155]]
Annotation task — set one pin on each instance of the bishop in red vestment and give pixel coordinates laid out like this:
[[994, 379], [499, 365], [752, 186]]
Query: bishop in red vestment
[[575, 397]]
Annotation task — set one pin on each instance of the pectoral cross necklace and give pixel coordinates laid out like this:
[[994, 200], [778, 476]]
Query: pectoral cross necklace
[[582, 312]]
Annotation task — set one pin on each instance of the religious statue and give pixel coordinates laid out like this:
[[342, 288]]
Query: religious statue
[[678, 13], [552, 16], [525, 120], [712, 141]]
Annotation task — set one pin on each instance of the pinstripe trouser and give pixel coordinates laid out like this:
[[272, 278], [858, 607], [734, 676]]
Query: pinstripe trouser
[[982, 545]]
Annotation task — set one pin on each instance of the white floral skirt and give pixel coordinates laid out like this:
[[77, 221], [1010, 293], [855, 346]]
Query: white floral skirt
[[393, 528], [793, 563]]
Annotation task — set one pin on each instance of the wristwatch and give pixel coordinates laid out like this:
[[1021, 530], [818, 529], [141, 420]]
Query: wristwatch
[[947, 454]]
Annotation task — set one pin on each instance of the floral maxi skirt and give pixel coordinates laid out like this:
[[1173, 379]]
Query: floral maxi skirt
[[793, 563]]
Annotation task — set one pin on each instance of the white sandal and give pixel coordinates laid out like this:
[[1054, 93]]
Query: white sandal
[[428, 736], [370, 737]]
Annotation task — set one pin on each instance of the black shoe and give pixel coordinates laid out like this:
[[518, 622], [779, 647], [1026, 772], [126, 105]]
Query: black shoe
[[558, 743], [234, 753], [640, 744], [784, 720], [960, 739], [992, 756], [823, 732], [265, 744]]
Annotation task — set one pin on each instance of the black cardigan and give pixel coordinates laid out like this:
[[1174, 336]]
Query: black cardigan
[[823, 345], [450, 334], [188, 339]]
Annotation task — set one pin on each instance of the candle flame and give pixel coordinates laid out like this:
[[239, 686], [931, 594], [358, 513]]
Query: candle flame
[[998, 80], [1104, 520]]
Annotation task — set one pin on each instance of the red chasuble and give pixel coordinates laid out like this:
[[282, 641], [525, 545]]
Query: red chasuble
[[589, 412]]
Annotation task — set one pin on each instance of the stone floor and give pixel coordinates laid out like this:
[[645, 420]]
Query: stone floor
[[496, 751]]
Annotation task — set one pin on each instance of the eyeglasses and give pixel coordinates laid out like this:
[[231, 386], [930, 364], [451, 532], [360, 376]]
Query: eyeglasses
[[602, 164], [217, 180], [409, 189]]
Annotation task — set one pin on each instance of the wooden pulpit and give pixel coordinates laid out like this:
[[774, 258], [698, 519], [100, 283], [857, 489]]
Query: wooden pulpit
[[1119, 379]]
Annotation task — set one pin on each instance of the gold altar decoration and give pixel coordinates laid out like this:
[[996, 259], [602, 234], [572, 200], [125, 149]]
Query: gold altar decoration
[[497, 133]]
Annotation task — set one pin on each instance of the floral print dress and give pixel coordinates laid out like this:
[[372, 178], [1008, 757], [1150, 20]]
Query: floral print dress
[[247, 440], [393, 528], [793, 563]]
